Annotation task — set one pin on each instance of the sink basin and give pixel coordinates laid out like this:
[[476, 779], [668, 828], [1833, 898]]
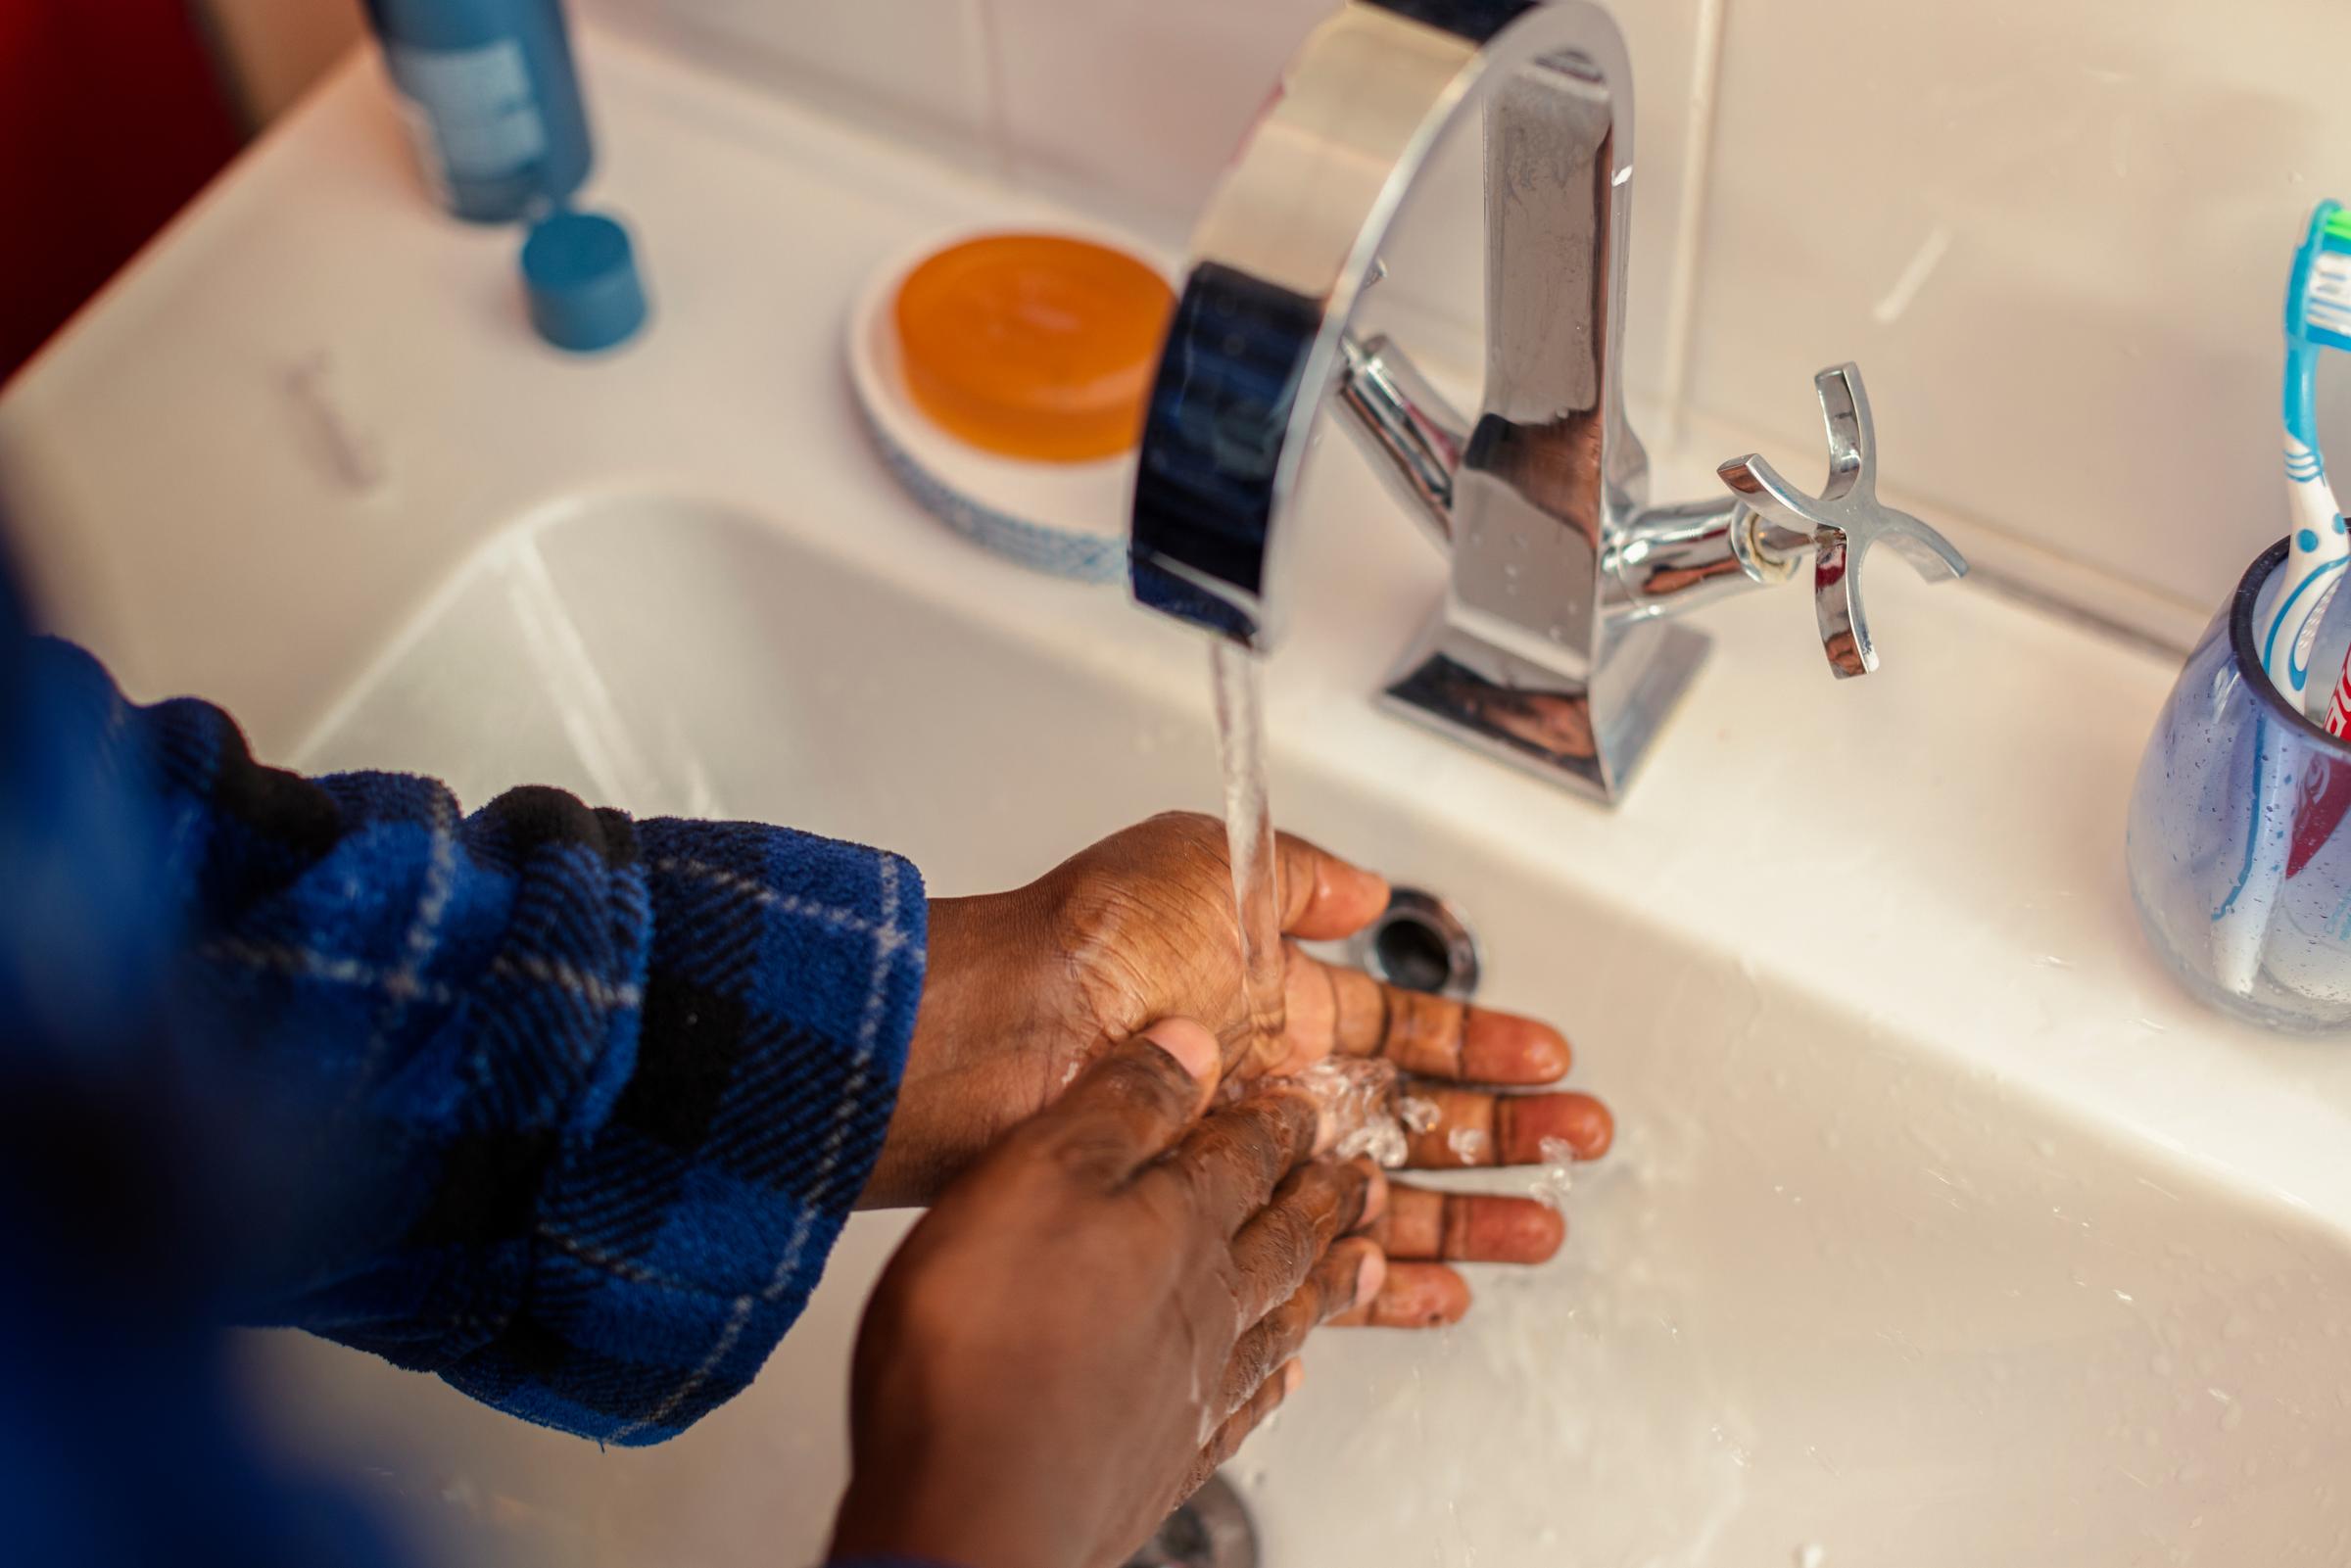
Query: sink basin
[[1829, 1295], [1941, 1230]]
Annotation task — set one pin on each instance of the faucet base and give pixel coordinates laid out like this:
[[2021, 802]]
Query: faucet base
[[1540, 721]]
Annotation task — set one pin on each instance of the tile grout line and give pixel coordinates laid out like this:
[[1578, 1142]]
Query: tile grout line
[[1697, 174], [988, 67]]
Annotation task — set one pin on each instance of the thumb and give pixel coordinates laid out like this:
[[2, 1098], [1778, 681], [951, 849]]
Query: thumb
[[1133, 1104]]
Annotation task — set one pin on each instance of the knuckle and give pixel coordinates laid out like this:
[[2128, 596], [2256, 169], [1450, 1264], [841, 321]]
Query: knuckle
[[1208, 1167], [1315, 1193], [1191, 835], [1227, 1440], [1291, 1244], [1171, 1214], [1293, 1321], [1264, 1154], [1242, 1146], [1088, 1153], [1234, 1433], [1253, 1358], [1300, 1118], [1186, 824], [1352, 1196], [1149, 1079], [1336, 1280], [1284, 1121], [1296, 1189], [1141, 1071]]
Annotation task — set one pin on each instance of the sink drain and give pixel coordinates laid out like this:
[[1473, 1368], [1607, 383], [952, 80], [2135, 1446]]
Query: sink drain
[[1421, 943], [1212, 1531]]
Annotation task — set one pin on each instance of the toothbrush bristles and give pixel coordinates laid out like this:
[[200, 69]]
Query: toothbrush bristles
[[2326, 294]]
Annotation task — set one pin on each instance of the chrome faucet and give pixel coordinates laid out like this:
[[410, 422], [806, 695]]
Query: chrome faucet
[[1556, 647]]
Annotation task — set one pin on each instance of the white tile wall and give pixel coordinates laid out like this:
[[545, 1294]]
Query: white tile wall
[[914, 67], [2054, 232], [1435, 253], [1137, 105]]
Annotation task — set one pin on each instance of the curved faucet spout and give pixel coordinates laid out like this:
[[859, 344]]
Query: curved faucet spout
[[1555, 647], [1260, 336]]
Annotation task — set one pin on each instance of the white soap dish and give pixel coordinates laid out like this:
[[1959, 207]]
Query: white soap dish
[[1069, 519]]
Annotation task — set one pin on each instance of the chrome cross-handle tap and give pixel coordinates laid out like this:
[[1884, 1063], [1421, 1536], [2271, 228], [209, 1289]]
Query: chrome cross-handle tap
[[1668, 559], [1839, 525], [1557, 644]]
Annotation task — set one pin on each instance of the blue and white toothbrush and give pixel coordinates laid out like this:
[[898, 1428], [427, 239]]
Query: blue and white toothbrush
[[2318, 318]]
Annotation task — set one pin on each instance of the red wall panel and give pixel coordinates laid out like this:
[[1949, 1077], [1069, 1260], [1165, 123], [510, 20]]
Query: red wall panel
[[111, 118]]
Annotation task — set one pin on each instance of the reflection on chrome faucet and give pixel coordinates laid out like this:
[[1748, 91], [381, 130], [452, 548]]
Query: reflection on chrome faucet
[[1554, 725], [1557, 647]]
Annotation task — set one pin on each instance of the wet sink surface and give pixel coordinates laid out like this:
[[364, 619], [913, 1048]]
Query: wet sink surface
[[1832, 1291]]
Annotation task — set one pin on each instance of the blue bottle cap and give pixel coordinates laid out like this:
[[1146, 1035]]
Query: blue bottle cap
[[580, 273]]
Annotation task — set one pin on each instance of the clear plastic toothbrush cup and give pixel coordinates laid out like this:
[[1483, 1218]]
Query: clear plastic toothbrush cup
[[2239, 846]]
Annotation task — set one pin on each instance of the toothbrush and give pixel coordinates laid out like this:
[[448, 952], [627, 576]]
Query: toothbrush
[[2318, 316]]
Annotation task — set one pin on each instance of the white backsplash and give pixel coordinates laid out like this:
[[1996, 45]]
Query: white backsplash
[[917, 69], [2053, 232]]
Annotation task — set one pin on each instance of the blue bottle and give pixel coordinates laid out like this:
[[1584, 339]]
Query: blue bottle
[[492, 99]]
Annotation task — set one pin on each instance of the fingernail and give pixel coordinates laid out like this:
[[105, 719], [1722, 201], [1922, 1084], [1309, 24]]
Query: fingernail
[[1292, 1374], [1510, 1230], [1428, 1295], [1528, 1121], [1192, 1046], [1500, 1048], [1370, 1275]]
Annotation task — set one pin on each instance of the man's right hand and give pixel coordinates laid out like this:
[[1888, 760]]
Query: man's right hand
[[1096, 1314]]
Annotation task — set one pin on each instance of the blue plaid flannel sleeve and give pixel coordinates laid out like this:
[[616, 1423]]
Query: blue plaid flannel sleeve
[[575, 1105]]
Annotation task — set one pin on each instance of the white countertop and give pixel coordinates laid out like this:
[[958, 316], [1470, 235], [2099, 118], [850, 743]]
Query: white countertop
[[1938, 848]]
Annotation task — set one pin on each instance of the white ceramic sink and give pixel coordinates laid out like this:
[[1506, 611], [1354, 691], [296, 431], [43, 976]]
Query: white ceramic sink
[[1940, 1229], [1827, 1291]]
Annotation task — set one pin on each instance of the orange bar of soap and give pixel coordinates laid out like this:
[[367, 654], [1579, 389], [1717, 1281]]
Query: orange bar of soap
[[1033, 345]]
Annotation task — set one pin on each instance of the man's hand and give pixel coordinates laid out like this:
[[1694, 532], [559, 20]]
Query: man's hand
[[1094, 1316], [1026, 987]]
